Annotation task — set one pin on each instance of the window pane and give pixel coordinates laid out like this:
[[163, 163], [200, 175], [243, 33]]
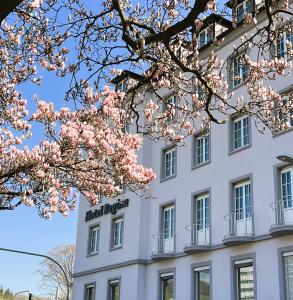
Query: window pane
[[286, 179], [90, 293], [288, 260], [203, 285], [114, 292], [167, 288], [245, 283]]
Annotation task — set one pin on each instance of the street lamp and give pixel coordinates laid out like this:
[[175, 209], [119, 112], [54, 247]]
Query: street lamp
[[44, 256], [21, 293], [285, 158]]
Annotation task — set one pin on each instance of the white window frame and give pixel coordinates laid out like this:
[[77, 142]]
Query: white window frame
[[163, 278], [197, 272], [243, 264], [282, 41], [117, 232], [242, 132], [94, 238], [243, 212], [201, 156], [286, 119], [237, 78], [287, 200], [288, 287], [208, 32], [113, 283], [203, 210], [169, 163], [87, 288], [244, 5], [122, 85], [168, 221]]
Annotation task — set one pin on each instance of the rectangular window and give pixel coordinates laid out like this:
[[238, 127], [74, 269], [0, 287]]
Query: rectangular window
[[94, 236], [202, 212], [240, 132], [281, 46], [244, 279], [202, 149], [286, 188], [117, 232], [286, 111], [169, 163], [205, 36], [238, 71], [114, 289], [288, 268], [244, 7], [242, 200], [202, 283], [168, 222], [167, 287], [122, 85], [90, 292]]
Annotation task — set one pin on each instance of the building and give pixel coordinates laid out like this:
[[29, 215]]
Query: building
[[221, 224]]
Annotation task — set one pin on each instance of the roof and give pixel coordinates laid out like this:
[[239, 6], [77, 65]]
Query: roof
[[125, 74]]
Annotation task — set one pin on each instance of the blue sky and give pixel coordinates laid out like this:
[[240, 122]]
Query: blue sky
[[23, 229]]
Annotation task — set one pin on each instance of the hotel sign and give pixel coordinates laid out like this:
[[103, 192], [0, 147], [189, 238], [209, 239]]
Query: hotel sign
[[106, 209]]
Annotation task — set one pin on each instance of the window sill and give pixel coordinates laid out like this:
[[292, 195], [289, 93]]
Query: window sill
[[197, 166], [93, 254], [167, 178], [116, 248], [239, 149], [282, 132]]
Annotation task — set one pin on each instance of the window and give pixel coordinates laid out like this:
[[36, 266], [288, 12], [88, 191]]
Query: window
[[240, 131], [117, 232], [202, 283], [94, 236], [169, 163], [114, 289], [168, 222], [286, 188], [90, 292], [122, 85], [286, 111], [202, 212], [288, 268], [201, 149], [172, 106], [205, 36], [244, 279], [242, 8], [242, 201], [238, 71], [281, 47], [167, 286]]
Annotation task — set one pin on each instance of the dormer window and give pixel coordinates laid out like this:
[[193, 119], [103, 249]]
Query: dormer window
[[205, 36], [242, 8], [121, 86]]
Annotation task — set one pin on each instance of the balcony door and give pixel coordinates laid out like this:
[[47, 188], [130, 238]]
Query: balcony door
[[168, 228], [286, 195], [202, 220], [242, 215]]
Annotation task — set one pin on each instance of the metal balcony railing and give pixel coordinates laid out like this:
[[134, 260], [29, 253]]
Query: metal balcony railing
[[282, 213], [239, 224], [199, 234], [163, 243]]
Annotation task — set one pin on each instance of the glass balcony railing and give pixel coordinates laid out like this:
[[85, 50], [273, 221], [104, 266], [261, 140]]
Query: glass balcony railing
[[163, 244], [199, 234], [282, 213]]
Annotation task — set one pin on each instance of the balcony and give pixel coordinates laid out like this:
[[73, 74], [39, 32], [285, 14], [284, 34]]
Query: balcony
[[199, 238], [164, 247], [239, 228], [282, 216]]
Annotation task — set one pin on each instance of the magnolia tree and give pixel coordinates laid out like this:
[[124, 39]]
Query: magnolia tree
[[87, 150]]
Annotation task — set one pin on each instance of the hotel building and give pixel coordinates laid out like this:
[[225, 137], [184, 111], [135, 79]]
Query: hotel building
[[221, 222]]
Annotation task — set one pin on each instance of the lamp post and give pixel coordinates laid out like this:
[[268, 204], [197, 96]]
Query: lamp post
[[44, 256], [20, 293]]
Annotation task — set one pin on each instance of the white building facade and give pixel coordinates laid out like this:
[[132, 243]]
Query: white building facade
[[219, 227]]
